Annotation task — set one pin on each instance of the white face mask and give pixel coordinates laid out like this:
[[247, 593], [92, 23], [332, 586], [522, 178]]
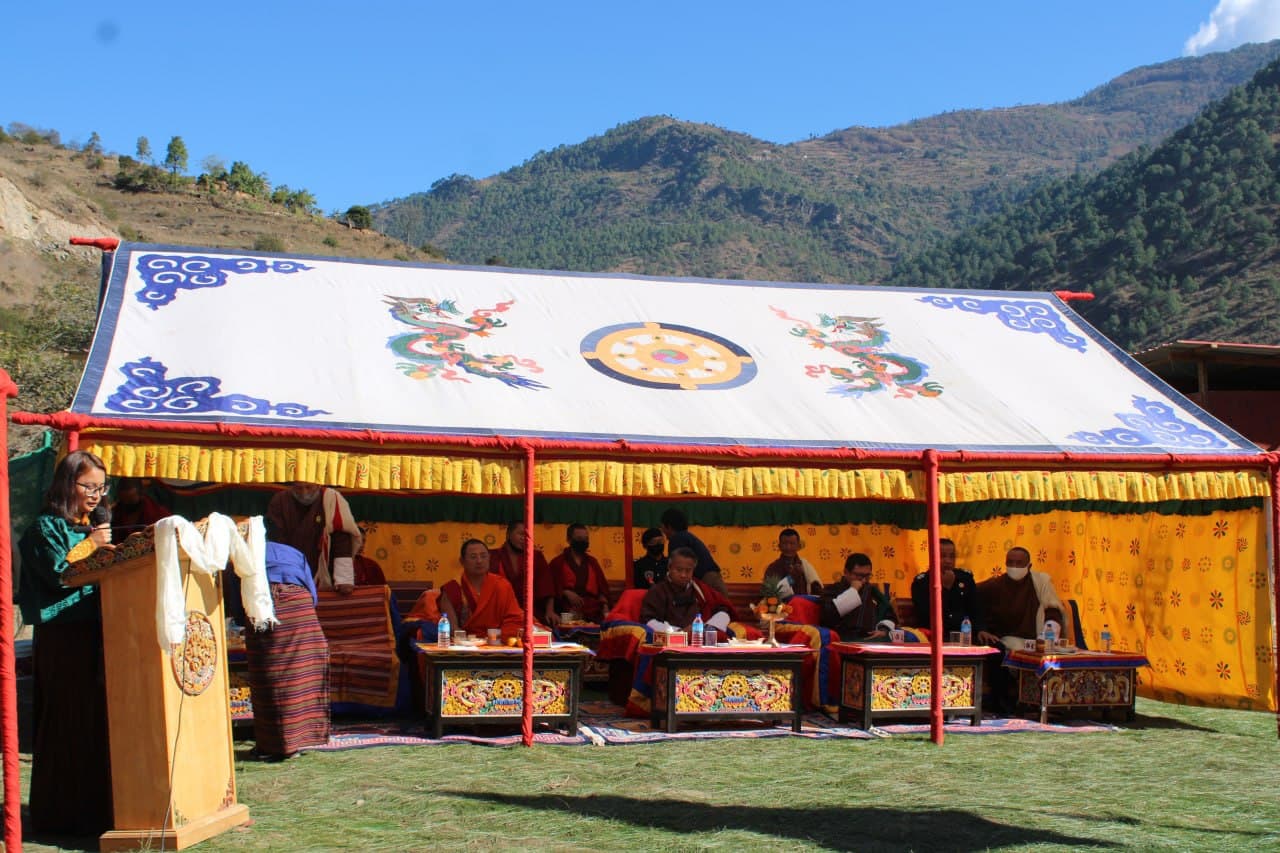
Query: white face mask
[[1016, 573], [307, 499]]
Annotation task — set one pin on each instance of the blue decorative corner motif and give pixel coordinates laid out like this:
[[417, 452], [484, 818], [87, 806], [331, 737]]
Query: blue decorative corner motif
[[1021, 315], [147, 390], [165, 275], [1154, 424]]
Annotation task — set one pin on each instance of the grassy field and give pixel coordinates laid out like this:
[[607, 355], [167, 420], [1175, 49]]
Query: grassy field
[[1177, 779]]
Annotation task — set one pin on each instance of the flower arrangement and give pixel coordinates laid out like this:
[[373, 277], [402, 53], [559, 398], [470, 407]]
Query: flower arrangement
[[770, 605]]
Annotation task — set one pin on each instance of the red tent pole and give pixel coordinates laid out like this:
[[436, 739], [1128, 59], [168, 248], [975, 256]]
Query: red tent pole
[[628, 547], [933, 518], [1275, 576], [526, 704], [8, 668]]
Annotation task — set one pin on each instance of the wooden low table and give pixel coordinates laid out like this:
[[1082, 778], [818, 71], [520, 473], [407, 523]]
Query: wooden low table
[[485, 684], [594, 671], [881, 681], [1083, 680], [725, 682]]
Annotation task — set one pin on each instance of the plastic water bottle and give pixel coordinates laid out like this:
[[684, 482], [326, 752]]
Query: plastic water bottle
[[966, 632], [1049, 639], [444, 632], [695, 632], [1106, 637]]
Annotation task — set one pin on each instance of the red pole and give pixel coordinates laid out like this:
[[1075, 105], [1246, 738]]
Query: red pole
[[8, 668], [933, 518], [628, 548], [526, 704], [1275, 575]]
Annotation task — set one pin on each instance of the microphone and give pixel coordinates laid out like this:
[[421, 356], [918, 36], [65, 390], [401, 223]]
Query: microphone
[[99, 516]]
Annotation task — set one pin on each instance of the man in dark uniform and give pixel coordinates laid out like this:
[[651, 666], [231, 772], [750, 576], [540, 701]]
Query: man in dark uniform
[[652, 567], [959, 594]]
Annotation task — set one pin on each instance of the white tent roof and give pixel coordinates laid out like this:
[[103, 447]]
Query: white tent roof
[[198, 335]]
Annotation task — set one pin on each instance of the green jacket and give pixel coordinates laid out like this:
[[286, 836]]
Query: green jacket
[[41, 594]]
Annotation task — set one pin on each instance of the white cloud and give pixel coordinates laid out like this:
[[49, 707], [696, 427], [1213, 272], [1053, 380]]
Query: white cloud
[[1236, 22]]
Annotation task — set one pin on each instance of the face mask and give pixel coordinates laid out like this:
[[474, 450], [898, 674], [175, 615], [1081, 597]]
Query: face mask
[[579, 546], [307, 500], [1016, 573], [654, 550]]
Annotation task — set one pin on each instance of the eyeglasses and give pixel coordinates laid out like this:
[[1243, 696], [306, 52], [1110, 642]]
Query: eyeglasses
[[94, 490]]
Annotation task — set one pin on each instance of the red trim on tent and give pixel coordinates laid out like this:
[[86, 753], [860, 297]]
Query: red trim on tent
[[106, 244], [621, 449]]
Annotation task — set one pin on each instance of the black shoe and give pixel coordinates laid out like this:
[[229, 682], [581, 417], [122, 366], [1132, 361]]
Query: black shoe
[[270, 757]]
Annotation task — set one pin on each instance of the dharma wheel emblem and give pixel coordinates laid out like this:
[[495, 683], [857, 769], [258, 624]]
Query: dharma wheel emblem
[[667, 356], [195, 659]]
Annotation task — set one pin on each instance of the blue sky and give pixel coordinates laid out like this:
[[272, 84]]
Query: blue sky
[[364, 102]]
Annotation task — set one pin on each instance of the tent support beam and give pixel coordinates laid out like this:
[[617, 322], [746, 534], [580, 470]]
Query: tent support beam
[[628, 539], [526, 704], [8, 666], [1275, 579], [933, 518]]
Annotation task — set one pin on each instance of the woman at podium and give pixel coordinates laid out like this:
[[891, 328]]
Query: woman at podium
[[70, 763]]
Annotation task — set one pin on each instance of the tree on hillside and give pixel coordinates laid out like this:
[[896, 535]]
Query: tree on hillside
[[243, 179], [94, 145], [143, 150], [358, 216], [175, 156]]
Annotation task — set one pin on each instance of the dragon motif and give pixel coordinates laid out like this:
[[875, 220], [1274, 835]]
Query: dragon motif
[[862, 339], [435, 346]]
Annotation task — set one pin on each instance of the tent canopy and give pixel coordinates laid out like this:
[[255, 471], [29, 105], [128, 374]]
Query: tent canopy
[[193, 335]]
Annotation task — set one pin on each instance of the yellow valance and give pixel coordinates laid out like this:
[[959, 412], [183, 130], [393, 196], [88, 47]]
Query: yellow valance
[[353, 468]]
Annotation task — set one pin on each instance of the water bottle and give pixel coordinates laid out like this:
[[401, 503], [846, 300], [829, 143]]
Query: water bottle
[[966, 632], [695, 632], [1106, 637], [444, 631], [1049, 638]]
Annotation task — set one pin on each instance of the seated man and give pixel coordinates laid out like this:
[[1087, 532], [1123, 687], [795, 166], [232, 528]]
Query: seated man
[[678, 598], [652, 567], [367, 571], [858, 610], [798, 573], [133, 510], [1017, 603], [581, 586], [508, 561], [479, 600], [960, 598]]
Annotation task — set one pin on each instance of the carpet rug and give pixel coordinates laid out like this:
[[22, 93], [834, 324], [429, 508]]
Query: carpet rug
[[601, 724]]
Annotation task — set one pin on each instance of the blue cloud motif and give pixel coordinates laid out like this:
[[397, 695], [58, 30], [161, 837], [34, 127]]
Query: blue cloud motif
[[165, 275], [1154, 424], [147, 390], [1021, 315]]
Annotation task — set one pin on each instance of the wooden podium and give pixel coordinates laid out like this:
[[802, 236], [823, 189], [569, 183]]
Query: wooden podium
[[173, 778]]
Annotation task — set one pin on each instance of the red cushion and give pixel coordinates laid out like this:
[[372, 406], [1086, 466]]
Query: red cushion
[[805, 611], [628, 607]]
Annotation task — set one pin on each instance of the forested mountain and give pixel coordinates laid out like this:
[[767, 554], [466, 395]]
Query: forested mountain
[[1175, 241], [661, 196]]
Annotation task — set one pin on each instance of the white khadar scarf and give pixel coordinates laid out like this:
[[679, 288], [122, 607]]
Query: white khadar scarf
[[221, 541]]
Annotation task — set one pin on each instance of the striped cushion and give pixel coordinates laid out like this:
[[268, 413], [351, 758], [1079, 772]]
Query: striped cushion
[[363, 667]]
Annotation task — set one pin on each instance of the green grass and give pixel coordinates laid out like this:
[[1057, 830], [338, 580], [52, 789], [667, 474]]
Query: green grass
[[1177, 779]]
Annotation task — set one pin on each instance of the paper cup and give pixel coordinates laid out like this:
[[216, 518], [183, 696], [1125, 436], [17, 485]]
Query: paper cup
[[495, 636], [566, 617], [898, 636]]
